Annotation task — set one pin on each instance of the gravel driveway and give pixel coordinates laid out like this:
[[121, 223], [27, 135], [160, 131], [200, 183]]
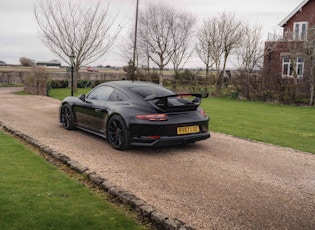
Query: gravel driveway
[[221, 183]]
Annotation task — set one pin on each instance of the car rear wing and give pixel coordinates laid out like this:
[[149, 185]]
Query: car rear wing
[[184, 105]]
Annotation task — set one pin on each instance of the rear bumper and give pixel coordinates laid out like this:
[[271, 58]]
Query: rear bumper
[[169, 140]]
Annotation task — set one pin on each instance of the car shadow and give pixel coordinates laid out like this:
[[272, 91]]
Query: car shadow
[[166, 150]]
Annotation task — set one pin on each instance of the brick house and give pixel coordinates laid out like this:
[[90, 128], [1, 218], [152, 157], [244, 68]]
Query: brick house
[[285, 55]]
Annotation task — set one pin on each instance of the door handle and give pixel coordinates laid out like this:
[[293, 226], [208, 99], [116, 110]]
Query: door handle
[[98, 110]]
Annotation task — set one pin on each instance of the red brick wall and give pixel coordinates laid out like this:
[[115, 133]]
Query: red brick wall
[[275, 50], [307, 14], [272, 57]]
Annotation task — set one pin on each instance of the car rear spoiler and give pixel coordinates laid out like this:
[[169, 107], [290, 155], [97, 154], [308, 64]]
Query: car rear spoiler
[[196, 95], [162, 101]]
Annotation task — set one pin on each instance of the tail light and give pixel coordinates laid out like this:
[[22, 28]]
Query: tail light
[[153, 117], [203, 113]]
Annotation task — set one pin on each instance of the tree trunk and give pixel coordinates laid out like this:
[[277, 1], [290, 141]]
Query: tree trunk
[[312, 87], [208, 79], [161, 77], [312, 96]]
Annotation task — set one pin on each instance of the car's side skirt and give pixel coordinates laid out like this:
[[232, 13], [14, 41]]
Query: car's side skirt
[[91, 131]]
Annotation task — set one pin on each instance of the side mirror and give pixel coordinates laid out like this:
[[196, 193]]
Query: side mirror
[[82, 97]]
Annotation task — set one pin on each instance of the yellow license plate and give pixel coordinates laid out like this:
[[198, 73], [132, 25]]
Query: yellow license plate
[[188, 129]]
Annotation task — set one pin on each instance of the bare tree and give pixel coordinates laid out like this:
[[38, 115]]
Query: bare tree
[[162, 34], [209, 45], [182, 40], [217, 39], [143, 51], [155, 29], [250, 53], [309, 50], [300, 56], [294, 47], [70, 27], [249, 56], [127, 47], [142, 54], [231, 30]]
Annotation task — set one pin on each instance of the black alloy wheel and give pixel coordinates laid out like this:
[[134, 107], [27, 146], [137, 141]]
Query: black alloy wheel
[[118, 133], [67, 117]]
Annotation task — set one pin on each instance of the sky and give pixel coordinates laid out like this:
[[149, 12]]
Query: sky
[[19, 32]]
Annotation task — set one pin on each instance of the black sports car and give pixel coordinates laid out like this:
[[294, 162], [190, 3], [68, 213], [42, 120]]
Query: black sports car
[[135, 113]]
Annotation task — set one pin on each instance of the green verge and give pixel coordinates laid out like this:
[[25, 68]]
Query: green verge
[[287, 126], [36, 195], [65, 92]]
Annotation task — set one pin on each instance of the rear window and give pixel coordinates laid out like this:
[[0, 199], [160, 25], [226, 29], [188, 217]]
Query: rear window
[[148, 90]]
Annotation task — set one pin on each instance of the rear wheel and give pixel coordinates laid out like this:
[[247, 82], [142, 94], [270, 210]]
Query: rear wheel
[[67, 117], [117, 133]]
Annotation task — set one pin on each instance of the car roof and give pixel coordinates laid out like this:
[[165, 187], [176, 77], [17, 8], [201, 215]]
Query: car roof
[[129, 84], [141, 88]]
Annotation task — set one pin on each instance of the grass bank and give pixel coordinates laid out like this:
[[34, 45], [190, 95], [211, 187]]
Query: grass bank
[[288, 126], [37, 195]]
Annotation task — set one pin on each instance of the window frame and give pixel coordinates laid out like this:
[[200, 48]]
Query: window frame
[[298, 32], [287, 66]]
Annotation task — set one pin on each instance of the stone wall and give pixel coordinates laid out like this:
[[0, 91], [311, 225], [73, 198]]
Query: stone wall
[[12, 77], [36, 87], [18, 77]]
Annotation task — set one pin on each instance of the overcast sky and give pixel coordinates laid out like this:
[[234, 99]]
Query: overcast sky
[[19, 31]]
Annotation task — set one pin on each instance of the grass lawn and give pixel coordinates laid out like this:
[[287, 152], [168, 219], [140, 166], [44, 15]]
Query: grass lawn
[[36, 195], [288, 126], [65, 92]]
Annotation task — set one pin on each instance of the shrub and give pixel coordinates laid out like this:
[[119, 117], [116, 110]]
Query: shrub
[[84, 83], [59, 84], [37, 82], [96, 83], [27, 62]]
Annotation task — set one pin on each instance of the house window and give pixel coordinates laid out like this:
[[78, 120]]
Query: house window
[[300, 66], [300, 30], [287, 67]]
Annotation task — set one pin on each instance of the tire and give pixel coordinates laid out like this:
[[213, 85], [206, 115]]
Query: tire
[[117, 133], [67, 118]]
